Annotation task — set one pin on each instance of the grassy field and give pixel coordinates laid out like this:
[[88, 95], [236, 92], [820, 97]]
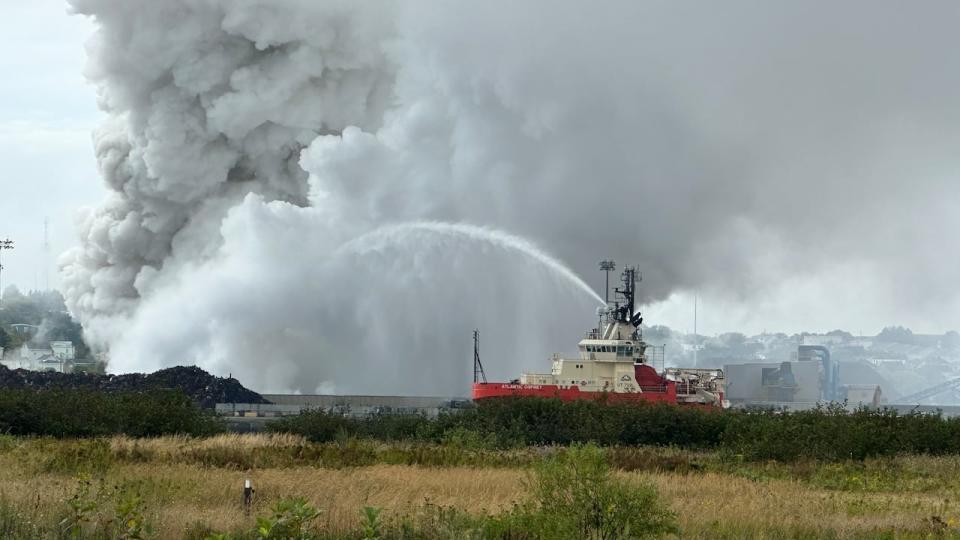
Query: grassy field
[[187, 487]]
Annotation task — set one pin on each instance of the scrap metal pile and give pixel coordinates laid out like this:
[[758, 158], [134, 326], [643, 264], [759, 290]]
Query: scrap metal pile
[[203, 388]]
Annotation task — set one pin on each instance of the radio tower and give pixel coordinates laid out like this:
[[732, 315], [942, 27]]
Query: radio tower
[[46, 254], [4, 244]]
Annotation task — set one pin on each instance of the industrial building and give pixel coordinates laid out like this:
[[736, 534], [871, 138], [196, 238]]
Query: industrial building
[[810, 380], [252, 416]]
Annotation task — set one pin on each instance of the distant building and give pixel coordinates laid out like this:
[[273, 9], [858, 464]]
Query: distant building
[[863, 395], [749, 384], [30, 352], [823, 340], [54, 357], [64, 350], [895, 363]]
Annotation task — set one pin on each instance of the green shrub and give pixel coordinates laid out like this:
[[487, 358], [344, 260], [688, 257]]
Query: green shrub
[[514, 422], [371, 524], [576, 496], [86, 515], [826, 434], [290, 521], [834, 434], [89, 413]]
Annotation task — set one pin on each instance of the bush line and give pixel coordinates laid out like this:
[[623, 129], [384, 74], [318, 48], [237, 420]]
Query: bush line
[[827, 434], [89, 413], [824, 434]]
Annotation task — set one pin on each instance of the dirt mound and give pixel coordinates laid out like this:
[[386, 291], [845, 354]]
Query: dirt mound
[[204, 388]]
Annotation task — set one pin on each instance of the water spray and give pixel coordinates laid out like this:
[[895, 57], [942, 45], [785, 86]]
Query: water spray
[[397, 233]]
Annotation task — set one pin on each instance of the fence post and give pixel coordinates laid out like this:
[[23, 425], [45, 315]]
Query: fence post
[[247, 496]]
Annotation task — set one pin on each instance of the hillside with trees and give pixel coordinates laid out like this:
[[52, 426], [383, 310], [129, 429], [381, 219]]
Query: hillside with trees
[[47, 317]]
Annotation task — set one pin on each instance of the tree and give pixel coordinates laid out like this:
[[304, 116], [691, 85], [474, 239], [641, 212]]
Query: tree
[[734, 340], [951, 340], [4, 339], [896, 334], [847, 336], [62, 327], [12, 294]]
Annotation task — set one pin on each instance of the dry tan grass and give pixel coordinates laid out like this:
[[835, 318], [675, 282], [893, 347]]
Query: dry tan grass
[[171, 446], [701, 500], [178, 495]]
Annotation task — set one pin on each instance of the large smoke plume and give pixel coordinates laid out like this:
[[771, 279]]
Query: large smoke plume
[[719, 146]]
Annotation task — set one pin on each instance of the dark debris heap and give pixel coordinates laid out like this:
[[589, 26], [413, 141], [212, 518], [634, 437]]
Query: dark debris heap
[[205, 389]]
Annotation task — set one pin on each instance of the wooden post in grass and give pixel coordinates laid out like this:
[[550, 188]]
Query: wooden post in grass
[[247, 496]]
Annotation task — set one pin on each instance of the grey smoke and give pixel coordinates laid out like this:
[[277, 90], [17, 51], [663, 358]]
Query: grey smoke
[[728, 147]]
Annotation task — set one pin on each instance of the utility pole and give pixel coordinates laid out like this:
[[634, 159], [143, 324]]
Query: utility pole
[[696, 338], [4, 244], [46, 254], [607, 266]]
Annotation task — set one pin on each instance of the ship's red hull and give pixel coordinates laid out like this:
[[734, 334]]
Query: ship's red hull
[[662, 394]]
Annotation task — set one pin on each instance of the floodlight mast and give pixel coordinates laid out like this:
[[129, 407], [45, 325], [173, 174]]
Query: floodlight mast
[[607, 266], [4, 244]]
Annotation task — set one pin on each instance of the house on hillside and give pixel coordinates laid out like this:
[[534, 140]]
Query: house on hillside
[[824, 340], [64, 350], [33, 357]]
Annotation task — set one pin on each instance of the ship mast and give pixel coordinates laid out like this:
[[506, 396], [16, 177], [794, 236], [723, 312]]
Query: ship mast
[[627, 312], [478, 373]]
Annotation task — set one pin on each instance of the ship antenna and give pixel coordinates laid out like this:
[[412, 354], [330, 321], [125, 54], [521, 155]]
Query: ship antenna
[[478, 373]]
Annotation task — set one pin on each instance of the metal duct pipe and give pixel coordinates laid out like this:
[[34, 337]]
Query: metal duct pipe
[[831, 369]]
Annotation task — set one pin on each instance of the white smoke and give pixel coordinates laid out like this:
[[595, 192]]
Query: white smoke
[[248, 141]]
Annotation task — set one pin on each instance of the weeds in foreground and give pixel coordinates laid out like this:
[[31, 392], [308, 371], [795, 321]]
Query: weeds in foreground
[[371, 523], [82, 511], [574, 494], [86, 518]]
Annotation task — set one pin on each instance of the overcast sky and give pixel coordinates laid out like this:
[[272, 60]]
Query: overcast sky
[[47, 169], [47, 111]]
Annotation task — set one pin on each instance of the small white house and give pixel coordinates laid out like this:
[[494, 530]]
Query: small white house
[[39, 358], [63, 350]]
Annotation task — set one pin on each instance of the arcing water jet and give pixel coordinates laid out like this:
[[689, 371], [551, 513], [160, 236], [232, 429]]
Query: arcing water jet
[[406, 232]]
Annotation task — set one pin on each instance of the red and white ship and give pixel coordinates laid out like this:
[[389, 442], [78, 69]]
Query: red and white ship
[[612, 365]]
